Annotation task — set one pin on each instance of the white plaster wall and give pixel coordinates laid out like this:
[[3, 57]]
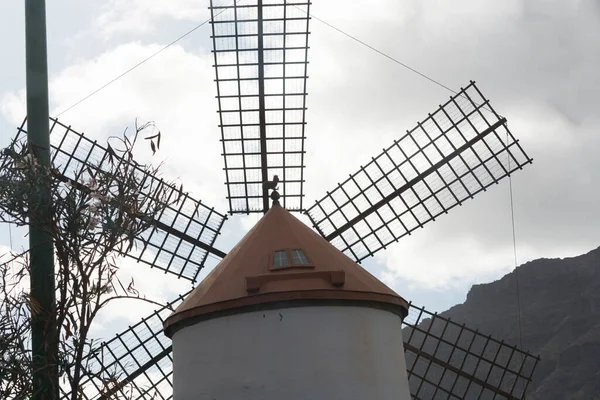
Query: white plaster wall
[[307, 353]]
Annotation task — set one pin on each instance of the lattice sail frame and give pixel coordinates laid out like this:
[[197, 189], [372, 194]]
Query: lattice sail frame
[[140, 358], [260, 53], [181, 237], [134, 364], [447, 360], [456, 152]]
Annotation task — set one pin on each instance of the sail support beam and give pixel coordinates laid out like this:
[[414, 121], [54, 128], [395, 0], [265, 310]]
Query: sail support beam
[[413, 181]]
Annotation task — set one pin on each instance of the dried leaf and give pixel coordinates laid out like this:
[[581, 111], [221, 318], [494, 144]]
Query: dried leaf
[[34, 305], [111, 153], [131, 289], [130, 246], [179, 194], [68, 332], [153, 147]]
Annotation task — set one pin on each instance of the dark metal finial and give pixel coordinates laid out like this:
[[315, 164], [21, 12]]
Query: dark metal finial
[[272, 185], [275, 197]]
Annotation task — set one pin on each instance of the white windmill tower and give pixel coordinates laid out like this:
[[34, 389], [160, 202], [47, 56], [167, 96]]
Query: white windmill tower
[[287, 315]]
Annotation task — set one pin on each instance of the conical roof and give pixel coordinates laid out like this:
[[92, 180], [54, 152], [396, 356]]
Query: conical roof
[[246, 280]]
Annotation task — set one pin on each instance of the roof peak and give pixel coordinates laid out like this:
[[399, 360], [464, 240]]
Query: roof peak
[[275, 197]]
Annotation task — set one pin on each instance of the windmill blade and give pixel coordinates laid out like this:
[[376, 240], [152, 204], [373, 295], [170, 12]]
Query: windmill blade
[[181, 236], [136, 363], [447, 360], [260, 52], [455, 153]]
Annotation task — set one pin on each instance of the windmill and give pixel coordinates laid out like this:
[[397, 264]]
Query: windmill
[[261, 62]]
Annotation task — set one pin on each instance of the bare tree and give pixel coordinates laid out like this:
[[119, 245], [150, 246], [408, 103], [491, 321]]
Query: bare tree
[[96, 216], [15, 355]]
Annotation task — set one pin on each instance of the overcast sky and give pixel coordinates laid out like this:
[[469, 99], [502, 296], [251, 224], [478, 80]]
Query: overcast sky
[[537, 61]]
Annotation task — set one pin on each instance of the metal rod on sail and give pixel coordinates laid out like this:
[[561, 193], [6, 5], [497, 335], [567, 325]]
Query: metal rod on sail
[[261, 106]]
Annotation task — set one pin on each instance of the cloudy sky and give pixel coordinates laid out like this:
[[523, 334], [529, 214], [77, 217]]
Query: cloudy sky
[[538, 61]]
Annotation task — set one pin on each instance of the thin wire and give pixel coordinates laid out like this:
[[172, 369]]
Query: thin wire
[[10, 243], [10, 238], [10, 235], [143, 61], [512, 211], [408, 67], [514, 238], [395, 60], [507, 140]]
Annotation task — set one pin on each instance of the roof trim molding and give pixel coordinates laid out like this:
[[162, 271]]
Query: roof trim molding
[[304, 298]]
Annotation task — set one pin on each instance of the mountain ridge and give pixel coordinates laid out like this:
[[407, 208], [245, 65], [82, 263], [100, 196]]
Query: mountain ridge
[[559, 301]]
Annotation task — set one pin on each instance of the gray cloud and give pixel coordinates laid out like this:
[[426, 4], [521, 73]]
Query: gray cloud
[[536, 61]]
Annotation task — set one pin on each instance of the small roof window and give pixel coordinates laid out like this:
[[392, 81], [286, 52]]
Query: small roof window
[[299, 258], [280, 259], [290, 258]]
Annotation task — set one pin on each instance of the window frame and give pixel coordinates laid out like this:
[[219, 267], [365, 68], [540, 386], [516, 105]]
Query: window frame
[[291, 264], [272, 259], [303, 254]]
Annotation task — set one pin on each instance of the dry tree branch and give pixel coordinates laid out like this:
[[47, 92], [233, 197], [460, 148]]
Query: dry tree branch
[[99, 210]]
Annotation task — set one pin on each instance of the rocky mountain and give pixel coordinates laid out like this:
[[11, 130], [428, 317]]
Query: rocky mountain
[[560, 321]]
